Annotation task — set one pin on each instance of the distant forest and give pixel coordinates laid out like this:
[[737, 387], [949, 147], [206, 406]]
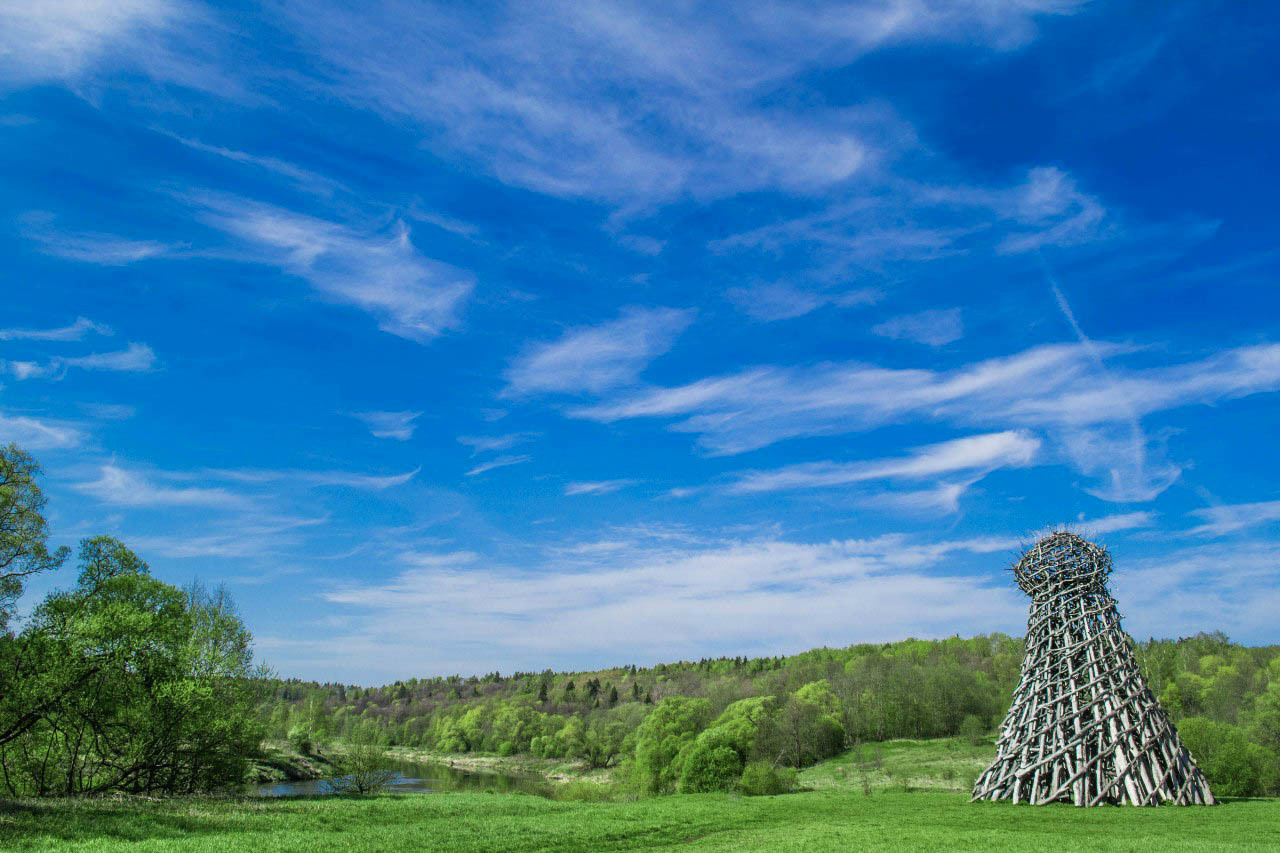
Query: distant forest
[[701, 725]]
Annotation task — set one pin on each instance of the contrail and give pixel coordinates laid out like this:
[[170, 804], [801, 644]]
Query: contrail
[[1138, 437]]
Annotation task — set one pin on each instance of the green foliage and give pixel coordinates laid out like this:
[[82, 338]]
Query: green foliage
[[973, 729], [23, 532], [362, 766], [131, 684], [787, 711], [760, 779], [1234, 766], [664, 735], [300, 739]]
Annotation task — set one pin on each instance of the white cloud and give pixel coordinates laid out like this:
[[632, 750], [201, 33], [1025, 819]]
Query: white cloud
[[136, 359], [1231, 518], [488, 443], [1055, 387], [37, 434], [669, 600], [374, 482], [978, 452], [23, 370], [397, 425], [410, 295], [58, 39], [770, 302], [497, 462], [90, 247], [629, 104], [597, 358], [250, 537], [119, 487], [1234, 588], [597, 487], [932, 328], [73, 332]]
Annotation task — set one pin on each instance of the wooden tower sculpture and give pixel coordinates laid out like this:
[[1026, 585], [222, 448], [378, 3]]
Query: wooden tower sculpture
[[1083, 725]]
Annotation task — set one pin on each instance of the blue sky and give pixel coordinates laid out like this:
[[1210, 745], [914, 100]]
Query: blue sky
[[470, 337]]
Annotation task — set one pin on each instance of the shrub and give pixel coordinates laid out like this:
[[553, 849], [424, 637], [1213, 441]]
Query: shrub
[[300, 739], [760, 778], [363, 766], [973, 730], [1234, 766], [709, 768], [506, 748]]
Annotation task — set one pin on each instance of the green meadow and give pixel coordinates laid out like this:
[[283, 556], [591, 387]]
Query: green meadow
[[817, 820], [917, 801]]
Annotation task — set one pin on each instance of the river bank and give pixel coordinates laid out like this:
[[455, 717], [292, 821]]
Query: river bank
[[556, 770]]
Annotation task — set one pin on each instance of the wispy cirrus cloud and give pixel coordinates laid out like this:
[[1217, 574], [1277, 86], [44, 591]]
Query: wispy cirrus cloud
[[59, 39], [307, 478], [777, 301], [592, 359], [1054, 387], [973, 453], [489, 443], [117, 486], [597, 487], [1225, 519], [136, 358], [626, 104], [90, 247], [73, 332], [498, 462], [39, 433], [654, 599], [933, 328], [411, 296], [397, 425]]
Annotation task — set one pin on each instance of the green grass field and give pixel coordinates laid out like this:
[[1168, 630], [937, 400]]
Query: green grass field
[[946, 764], [916, 803], [819, 820]]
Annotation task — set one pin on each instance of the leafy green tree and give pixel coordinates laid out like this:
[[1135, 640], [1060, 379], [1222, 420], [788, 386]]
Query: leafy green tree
[[23, 530], [362, 765], [155, 687], [665, 733], [1234, 766]]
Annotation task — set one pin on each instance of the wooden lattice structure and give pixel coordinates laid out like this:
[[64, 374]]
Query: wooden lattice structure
[[1083, 725]]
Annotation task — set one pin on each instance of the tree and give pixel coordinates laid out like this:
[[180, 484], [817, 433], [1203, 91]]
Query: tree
[[1234, 766], [663, 735], [132, 685], [23, 530], [362, 765]]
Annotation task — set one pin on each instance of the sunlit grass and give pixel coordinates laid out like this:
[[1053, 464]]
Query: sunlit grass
[[819, 820]]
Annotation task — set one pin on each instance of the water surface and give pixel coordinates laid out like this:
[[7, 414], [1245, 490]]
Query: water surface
[[419, 777]]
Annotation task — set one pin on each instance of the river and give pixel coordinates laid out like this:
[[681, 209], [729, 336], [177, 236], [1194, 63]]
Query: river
[[414, 777]]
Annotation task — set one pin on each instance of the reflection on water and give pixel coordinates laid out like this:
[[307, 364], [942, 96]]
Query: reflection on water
[[413, 777]]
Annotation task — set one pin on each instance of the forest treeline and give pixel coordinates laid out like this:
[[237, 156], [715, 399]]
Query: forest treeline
[[740, 722]]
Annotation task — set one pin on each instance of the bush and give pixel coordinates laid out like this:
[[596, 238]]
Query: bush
[[506, 748], [1234, 766], [709, 768], [760, 778], [363, 766], [973, 730], [300, 739]]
